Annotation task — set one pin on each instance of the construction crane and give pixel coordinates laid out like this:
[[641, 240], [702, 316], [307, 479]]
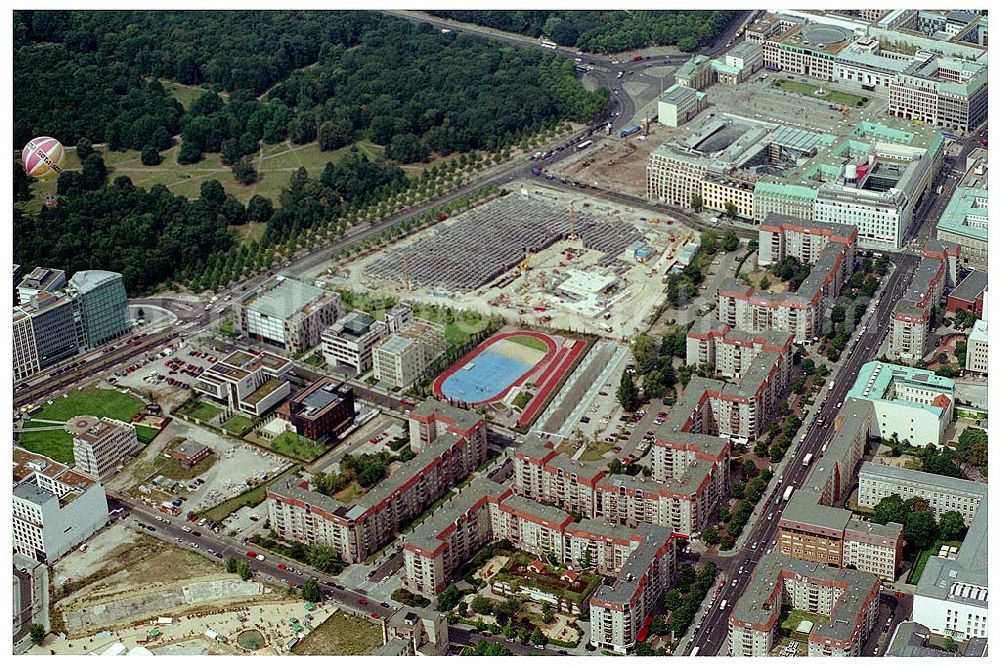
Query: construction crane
[[572, 222]]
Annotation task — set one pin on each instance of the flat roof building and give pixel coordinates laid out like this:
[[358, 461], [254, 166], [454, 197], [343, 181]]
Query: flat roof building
[[55, 507], [322, 410], [943, 493], [964, 222], [351, 339], [952, 594], [40, 279], [248, 381], [100, 307], [102, 445], [679, 104], [288, 313], [910, 403]]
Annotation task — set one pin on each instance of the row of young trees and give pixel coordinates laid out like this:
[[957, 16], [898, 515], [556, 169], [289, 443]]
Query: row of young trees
[[606, 31]]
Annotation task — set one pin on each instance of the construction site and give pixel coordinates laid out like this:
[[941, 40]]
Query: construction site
[[540, 256], [618, 163]]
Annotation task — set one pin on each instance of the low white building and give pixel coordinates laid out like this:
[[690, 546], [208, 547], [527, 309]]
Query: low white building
[[251, 382], [55, 507], [910, 403], [679, 104]]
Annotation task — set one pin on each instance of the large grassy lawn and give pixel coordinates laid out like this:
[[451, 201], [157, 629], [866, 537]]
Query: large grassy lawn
[[91, 401], [341, 634], [832, 96], [56, 444], [275, 164], [295, 446], [238, 425]]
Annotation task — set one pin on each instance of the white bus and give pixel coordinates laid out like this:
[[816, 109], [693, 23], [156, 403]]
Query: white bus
[[694, 652], [585, 144], [549, 44]]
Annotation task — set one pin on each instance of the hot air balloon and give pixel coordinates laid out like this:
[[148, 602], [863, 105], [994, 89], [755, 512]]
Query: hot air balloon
[[43, 157]]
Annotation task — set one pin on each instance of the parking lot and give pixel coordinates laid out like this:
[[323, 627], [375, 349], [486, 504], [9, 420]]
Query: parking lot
[[167, 374]]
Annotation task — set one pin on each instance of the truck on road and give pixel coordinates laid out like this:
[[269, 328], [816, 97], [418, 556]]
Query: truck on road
[[830, 387], [788, 493], [807, 460]]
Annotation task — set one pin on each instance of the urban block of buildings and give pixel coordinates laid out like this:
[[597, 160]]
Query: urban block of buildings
[[848, 598], [102, 445], [351, 340], [830, 248], [909, 334], [57, 320], [969, 294], [910, 403], [450, 444], [251, 382], [942, 493], [813, 528], [322, 410], [55, 507], [642, 559], [873, 177], [287, 313], [912, 639], [964, 223], [932, 76]]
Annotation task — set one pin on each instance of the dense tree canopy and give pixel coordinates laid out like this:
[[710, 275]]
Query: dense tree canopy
[[335, 76], [147, 235], [606, 31]]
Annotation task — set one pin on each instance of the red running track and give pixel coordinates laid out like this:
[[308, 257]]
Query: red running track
[[549, 343], [555, 373]]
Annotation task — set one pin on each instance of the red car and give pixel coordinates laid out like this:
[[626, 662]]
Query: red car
[[282, 566], [251, 554], [363, 602]]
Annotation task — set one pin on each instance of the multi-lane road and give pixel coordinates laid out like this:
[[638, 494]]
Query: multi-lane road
[[715, 625], [220, 547]]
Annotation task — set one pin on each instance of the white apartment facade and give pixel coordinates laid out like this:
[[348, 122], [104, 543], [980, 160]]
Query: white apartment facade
[[102, 445]]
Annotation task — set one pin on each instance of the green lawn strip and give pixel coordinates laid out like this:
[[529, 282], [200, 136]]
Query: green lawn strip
[[202, 411], [91, 401], [251, 497], [295, 446], [56, 444], [530, 342], [238, 425], [145, 434], [797, 616]]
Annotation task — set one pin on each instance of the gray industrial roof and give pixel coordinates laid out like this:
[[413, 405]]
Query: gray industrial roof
[[935, 481], [286, 297], [972, 286], [963, 579], [84, 281]]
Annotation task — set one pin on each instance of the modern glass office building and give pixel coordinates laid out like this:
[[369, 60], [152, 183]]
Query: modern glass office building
[[100, 307]]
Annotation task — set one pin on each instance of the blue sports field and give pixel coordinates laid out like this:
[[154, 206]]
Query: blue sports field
[[491, 374]]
